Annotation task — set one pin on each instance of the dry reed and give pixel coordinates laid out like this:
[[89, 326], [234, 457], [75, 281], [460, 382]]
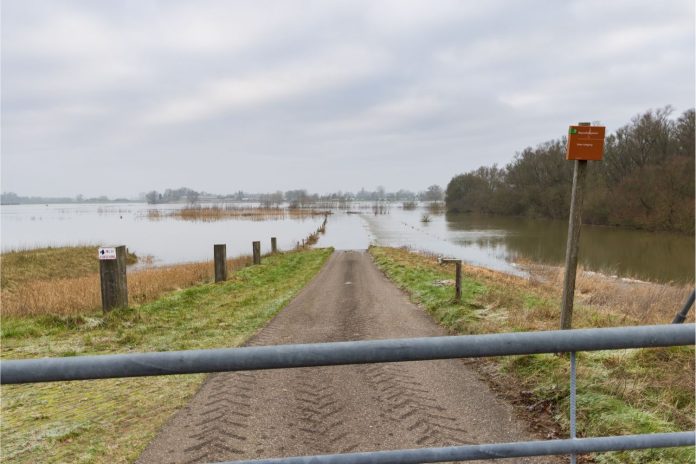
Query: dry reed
[[81, 295], [631, 300], [216, 213]]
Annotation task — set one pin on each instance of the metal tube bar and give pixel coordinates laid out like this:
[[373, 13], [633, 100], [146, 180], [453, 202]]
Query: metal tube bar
[[573, 457], [339, 353], [681, 315], [493, 451]]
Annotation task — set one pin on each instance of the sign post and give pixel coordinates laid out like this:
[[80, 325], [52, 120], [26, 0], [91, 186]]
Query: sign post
[[112, 273], [585, 142]]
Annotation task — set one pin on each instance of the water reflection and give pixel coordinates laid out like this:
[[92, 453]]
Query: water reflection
[[646, 255], [346, 232], [498, 242], [489, 241], [169, 240]]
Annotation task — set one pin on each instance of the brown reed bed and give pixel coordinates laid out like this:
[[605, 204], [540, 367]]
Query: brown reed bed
[[81, 295], [631, 300], [217, 213]]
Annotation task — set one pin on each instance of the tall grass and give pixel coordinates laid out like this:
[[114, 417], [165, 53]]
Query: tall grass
[[81, 295], [630, 300]]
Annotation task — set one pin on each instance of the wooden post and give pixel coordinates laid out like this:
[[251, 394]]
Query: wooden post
[[572, 246], [458, 281], [220, 254], [274, 245], [457, 276], [256, 248], [112, 273]]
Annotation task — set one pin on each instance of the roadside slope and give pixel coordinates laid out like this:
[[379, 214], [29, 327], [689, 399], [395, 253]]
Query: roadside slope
[[112, 420], [620, 392]]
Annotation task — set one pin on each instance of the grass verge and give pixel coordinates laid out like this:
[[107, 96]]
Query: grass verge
[[619, 392], [113, 420], [22, 266]]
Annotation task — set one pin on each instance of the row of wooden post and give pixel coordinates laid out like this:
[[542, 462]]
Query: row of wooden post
[[320, 230], [220, 255], [113, 279]]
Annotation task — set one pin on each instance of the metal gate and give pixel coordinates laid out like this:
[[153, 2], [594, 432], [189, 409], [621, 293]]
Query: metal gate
[[382, 351]]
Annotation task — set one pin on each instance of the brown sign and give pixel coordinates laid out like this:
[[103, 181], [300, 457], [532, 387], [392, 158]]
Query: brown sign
[[585, 143]]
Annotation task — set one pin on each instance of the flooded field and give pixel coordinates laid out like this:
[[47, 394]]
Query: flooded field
[[167, 239], [494, 242]]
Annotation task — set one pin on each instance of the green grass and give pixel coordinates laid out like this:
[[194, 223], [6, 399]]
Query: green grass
[[113, 420], [49, 263], [619, 392]]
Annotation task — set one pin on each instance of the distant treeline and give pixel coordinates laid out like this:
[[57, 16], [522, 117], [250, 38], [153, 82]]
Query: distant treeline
[[295, 198], [646, 179], [11, 198]]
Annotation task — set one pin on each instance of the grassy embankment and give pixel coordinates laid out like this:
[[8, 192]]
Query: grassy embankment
[[65, 281], [22, 266], [113, 420], [619, 392]]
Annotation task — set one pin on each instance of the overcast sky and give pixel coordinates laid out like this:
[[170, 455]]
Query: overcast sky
[[121, 97]]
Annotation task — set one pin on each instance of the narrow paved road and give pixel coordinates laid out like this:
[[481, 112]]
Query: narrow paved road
[[344, 408]]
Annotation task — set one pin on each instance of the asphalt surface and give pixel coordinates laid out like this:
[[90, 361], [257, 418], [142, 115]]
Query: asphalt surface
[[291, 412]]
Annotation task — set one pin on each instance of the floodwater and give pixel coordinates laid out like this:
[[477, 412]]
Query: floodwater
[[168, 240], [499, 243], [490, 241]]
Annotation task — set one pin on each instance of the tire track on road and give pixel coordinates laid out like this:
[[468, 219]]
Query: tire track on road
[[304, 411]]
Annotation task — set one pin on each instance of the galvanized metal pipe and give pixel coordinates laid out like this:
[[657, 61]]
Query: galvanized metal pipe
[[573, 433], [493, 451], [681, 315], [339, 353]]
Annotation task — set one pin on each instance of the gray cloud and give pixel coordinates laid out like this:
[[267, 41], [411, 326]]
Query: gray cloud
[[121, 97]]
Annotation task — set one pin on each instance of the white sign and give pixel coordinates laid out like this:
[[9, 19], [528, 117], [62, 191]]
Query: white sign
[[107, 253]]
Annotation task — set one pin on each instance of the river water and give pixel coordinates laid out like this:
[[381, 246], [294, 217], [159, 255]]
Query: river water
[[489, 241]]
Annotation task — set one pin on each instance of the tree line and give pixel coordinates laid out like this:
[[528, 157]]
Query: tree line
[[645, 181], [11, 198], [295, 198]]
